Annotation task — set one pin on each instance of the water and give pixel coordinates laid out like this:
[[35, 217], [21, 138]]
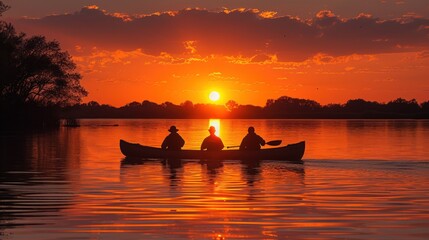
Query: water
[[361, 179]]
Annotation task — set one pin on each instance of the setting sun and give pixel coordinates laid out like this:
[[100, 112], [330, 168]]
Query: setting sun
[[214, 96]]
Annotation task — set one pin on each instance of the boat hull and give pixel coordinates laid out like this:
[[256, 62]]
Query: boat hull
[[291, 152]]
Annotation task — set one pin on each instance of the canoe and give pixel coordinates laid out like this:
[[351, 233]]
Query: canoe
[[291, 152]]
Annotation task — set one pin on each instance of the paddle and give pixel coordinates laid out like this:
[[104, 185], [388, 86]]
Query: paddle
[[271, 143]]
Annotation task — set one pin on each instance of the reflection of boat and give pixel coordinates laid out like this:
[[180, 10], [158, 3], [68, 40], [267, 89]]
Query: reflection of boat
[[291, 152]]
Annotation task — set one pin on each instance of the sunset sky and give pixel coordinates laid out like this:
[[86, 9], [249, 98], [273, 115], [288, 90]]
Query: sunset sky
[[247, 50]]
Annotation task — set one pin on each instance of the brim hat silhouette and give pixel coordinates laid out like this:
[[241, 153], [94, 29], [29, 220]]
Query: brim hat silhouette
[[173, 129]]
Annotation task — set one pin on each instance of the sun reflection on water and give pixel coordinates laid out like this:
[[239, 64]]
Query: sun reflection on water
[[215, 123], [60, 185]]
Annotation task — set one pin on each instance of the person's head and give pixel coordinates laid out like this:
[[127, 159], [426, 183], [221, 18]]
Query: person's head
[[173, 129], [212, 130], [251, 130]]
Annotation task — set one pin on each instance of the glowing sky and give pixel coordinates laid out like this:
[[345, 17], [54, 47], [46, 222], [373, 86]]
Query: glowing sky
[[249, 51]]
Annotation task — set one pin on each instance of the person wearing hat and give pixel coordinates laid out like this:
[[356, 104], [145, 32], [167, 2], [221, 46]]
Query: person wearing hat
[[252, 141], [173, 141], [212, 142]]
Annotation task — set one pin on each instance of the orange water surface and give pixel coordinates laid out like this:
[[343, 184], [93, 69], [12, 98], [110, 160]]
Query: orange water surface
[[360, 179]]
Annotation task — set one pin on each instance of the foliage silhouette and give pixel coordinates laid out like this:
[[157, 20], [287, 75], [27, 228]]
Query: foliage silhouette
[[37, 71], [283, 107], [3, 8], [36, 77], [425, 107]]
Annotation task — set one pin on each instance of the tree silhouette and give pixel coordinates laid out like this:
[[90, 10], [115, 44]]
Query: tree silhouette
[[231, 105], [360, 105], [33, 70], [285, 105], [187, 108], [425, 107], [36, 77], [3, 8], [403, 106]]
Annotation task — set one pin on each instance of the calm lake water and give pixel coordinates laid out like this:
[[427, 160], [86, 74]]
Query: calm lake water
[[361, 179]]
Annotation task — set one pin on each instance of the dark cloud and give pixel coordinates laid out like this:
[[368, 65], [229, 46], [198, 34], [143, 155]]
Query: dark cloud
[[234, 33]]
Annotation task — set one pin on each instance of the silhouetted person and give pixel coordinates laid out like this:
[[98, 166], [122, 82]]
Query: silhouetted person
[[212, 142], [173, 141], [252, 141]]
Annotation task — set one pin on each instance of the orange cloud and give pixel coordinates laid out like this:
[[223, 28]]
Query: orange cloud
[[238, 32], [178, 56], [190, 45], [95, 7]]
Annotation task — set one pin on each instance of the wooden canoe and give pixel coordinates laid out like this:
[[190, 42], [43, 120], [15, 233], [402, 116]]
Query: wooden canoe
[[291, 152]]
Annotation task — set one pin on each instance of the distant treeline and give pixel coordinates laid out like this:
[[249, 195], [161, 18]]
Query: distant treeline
[[283, 107]]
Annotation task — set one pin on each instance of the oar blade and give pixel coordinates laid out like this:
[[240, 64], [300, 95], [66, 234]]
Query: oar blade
[[270, 143]]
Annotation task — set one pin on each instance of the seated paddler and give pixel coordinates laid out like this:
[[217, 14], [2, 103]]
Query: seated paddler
[[173, 141], [252, 141], [212, 142]]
